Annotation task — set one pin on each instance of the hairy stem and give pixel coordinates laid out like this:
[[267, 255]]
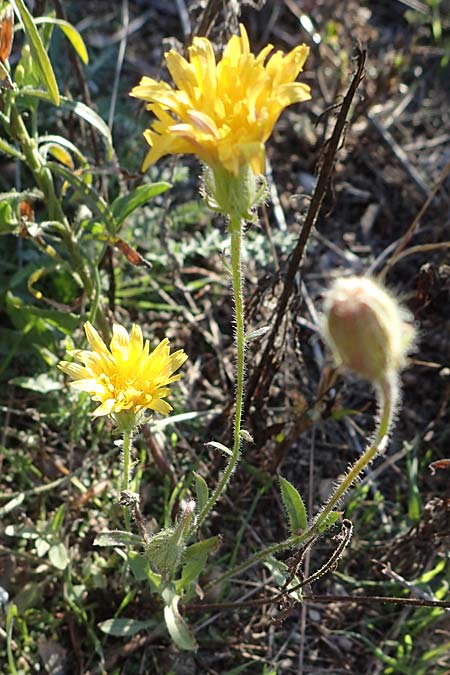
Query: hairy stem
[[387, 393], [127, 436], [235, 229]]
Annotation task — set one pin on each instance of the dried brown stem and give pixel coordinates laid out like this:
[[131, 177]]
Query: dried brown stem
[[265, 366]]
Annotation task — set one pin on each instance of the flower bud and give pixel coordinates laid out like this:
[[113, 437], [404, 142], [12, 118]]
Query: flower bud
[[164, 551], [234, 196], [165, 548], [366, 328]]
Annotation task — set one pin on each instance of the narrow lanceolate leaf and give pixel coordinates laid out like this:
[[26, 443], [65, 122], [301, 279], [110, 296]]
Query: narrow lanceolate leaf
[[220, 446], [117, 538], [201, 491], [295, 508], [71, 34], [37, 49], [92, 118], [91, 197], [8, 149], [123, 206]]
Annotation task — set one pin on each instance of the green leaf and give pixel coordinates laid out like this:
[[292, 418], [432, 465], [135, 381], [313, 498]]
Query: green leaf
[[141, 570], [90, 116], [138, 564], [42, 547], [91, 196], [201, 491], [37, 49], [295, 508], [280, 572], [125, 627], [71, 34], [65, 143], [12, 504], [66, 322], [117, 538], [330, 520], [195, 558], [121, 207], [8, 149], [58, 556], [246, 436], [42, 383], [177, 627]]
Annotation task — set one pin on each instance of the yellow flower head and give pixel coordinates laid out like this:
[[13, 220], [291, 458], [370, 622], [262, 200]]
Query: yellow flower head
[[222, 112], [125, 377]]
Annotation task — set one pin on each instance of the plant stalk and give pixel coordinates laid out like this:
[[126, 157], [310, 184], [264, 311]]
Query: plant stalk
[[387, 393], [235, 229]]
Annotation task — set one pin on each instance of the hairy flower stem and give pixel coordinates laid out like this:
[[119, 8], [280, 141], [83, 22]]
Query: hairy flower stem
[[126, 449], [125, 483], [235, 229], [387, 394]]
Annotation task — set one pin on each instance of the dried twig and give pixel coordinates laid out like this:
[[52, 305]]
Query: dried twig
[[266, 361], [412, 229]]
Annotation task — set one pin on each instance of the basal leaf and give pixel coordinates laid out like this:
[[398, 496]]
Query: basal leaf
[[58, 556], [195, 558], [177, 627], [125, 627]]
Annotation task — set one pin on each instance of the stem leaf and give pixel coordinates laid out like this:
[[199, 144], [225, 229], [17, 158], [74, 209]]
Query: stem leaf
[[220, 446], [71, 34], [201, 491], [330, 520], [123, 206], [90, 116], [117, 538], [295, 508], [37, 49]]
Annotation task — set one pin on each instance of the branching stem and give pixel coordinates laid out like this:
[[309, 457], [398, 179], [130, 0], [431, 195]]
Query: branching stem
[[387, 392]]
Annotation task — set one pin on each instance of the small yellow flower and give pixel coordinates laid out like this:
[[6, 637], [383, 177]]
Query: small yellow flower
[[222, 112], [125, 377]]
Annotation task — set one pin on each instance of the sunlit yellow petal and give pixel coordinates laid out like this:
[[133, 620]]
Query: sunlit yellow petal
[[222, 112], [161, 406], [127, 376], [105, 408], [74, 370], [94, 339]]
